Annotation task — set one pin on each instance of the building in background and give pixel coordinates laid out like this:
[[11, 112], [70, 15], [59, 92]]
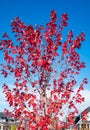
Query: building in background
[[6, 122], [81, 124]]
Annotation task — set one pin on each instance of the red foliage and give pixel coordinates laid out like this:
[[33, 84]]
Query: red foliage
[[44, 68]]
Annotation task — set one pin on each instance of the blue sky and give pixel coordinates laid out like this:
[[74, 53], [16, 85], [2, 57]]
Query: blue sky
[[38, 11]]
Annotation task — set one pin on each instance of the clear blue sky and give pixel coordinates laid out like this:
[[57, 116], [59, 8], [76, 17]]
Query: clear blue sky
[[38, 11]]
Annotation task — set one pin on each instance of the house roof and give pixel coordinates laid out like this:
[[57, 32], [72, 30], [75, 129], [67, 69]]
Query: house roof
[[79, 117], [2, 114]]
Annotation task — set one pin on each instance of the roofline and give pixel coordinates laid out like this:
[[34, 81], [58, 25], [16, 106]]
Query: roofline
[[78, 118]]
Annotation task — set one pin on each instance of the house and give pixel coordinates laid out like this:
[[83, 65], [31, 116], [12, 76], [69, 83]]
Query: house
[[81, 124], [6, 122], [3, 121]]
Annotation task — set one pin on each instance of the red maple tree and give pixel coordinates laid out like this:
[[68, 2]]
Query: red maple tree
[[44, 67]]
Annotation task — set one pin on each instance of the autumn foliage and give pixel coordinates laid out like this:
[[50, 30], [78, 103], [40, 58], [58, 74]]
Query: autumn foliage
[[44, 66]]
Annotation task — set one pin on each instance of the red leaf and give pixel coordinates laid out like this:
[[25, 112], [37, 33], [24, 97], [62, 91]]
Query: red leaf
[[40, 62], [18, 72], [55, 97], [53, 15]]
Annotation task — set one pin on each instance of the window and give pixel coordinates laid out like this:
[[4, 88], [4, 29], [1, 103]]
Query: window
[[83, 126]]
